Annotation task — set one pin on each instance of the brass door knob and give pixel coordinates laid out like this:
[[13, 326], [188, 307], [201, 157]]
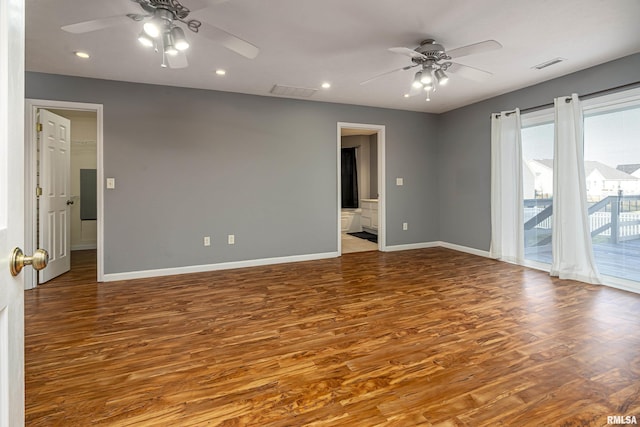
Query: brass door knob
[[38, 261]]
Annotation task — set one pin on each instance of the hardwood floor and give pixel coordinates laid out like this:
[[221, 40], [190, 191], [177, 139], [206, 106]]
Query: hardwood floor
[[427, 337]]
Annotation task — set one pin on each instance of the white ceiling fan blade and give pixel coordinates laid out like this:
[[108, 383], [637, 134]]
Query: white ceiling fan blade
[[407, 52], [386, 74], [96, 24], [469, 73], [179, 60], [228, 40], [480, 47]]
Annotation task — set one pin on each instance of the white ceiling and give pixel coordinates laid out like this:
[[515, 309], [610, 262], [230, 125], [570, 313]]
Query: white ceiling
[[304, 43]]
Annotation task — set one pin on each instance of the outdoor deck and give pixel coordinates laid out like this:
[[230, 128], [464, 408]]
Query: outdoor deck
[[615, 229], [617, 260]]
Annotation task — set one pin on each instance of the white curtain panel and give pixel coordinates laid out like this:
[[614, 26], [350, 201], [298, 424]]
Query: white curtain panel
[[571, 238], [507, 233]]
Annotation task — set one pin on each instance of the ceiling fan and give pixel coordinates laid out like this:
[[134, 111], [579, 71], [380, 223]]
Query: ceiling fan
[[161, 30], [434, 62]]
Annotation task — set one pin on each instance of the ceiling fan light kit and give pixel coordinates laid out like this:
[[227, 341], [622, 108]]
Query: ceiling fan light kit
[[161, 26], [145, 40], [179, 40], [434, 62], [441, 77], [161, 31]]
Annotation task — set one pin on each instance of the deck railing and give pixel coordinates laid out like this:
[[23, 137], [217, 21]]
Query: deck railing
[[606, 217]]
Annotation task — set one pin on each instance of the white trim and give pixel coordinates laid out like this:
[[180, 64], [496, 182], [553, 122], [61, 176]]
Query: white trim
[[622, 284], [537, 118], [612, 101], [438, 244], [412, 246], [459, 248], [215, 267], [31, 106], [381, 148], [84, 246], [536, 265]]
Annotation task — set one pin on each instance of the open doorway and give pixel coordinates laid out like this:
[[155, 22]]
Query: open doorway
[[360, 187], [81, 173]]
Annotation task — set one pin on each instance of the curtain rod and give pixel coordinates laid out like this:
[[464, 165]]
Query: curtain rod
[[586, 96]]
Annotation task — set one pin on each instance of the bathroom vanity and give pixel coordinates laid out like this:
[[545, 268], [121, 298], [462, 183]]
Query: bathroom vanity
[[369, 218]]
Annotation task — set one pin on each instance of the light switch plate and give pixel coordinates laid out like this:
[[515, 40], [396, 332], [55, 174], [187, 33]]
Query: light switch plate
[[399, 181], [111, 183]]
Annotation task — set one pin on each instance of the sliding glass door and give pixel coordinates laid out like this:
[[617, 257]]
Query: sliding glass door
[[612, 180], [537, 174], [612, 169]]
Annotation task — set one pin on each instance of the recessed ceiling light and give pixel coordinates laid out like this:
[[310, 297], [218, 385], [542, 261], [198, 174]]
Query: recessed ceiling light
[[220, 72], [326, 85], [80, 54], [406, 95]]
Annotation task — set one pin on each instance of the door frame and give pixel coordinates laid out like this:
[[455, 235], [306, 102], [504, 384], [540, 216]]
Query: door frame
[[31, 107], [380, 131]]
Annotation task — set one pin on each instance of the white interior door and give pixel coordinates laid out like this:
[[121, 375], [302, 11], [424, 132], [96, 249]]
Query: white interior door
[[55, 181], [11, 211]]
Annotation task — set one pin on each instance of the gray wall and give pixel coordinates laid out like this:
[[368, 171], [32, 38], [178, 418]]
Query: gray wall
[[464, 147], [191, 163]]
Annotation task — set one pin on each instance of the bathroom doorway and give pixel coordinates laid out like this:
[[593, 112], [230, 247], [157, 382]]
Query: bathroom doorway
[[360, 187]]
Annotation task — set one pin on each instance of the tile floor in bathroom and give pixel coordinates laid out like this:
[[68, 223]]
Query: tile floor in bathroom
[[354, 244]]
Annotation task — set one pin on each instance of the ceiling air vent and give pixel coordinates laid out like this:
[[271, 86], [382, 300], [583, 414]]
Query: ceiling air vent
[[299, 92], [549, 63]]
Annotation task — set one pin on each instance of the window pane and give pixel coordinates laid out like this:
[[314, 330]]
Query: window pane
[[612, 172], [537, 173]]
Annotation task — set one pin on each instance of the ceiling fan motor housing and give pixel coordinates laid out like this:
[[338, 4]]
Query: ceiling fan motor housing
[[432, 50], [173, 6]]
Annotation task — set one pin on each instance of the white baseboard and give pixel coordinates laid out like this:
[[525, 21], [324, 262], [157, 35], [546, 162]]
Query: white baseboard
[[466, 249], [112, 277], [411, 246], [84, 246], [438, 244], [143, 274]]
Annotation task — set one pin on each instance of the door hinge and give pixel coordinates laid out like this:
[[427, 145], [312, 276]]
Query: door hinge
[[39, 127], [38, 191]]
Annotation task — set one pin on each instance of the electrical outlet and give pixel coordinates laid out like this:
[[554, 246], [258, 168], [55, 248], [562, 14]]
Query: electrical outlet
[[405, 226], [231, 239], [207, 241]]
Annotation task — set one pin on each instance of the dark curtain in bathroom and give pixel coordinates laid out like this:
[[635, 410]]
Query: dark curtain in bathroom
[[349, 178]]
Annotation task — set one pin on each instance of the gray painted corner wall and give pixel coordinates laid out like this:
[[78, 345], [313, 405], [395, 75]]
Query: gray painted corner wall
[[464, 147], [192, 163]]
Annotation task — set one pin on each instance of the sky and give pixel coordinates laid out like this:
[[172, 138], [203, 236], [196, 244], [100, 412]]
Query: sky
[[612, 138]]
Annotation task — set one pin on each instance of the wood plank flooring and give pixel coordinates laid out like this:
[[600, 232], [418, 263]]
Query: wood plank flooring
[[428, 337]]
